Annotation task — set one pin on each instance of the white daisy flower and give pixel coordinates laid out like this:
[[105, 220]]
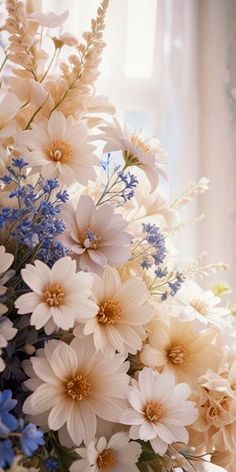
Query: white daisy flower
[[59, 295], [159, 410], [201, 306], [176, 345], [95, 236], [119, 454], [136, 152], [59, 148], [73, 385], [122, 313]]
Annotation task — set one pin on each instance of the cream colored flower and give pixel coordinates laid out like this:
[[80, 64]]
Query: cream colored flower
[[175, 345], [95, 236], [122, 313], [119, 454], [159, 410], [9, 106], [59, 295], [59, 148], [49, 19], [73, 385], [136, 152], [201, 306], [217, 412]]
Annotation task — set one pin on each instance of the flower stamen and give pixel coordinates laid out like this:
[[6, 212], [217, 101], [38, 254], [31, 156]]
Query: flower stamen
[[109, 312], [178, 354], [154, 412], [54, 295], [90, 239], [78, 388], [60, 151], [106, 460]]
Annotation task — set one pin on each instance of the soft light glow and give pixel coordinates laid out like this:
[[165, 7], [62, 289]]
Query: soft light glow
[[141, 23]]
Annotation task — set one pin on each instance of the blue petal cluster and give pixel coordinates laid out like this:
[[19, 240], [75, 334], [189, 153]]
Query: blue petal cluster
[[13, 431], [35, 222], [130, 182], [31, 437], [156, 250], [51, 464], [8, 422]]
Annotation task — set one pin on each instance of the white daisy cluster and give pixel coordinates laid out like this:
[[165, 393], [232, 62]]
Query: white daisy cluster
[[122, 360]]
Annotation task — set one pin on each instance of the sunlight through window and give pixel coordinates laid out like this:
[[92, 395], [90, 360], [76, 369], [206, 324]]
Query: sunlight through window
[[141, 22]]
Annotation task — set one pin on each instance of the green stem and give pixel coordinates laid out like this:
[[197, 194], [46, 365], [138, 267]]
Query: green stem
[[4, 62], [49, 66], [35, 113]]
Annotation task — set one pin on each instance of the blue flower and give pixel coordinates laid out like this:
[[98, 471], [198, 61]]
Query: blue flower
[[31, 438], [7, 421], [19, 163], [51, 464], [6, 453]]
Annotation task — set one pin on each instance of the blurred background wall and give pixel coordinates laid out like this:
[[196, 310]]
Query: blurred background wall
[[170, 70]]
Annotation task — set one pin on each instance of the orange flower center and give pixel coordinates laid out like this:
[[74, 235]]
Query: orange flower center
[[106, 460], [90, 239], [199, 306], [54, 295], [154, 412], [60, 151], [109, 312], [136, 141], [78, 387], [178, 354]]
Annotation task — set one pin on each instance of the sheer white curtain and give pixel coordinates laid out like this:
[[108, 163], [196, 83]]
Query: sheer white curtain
[[169, 69]]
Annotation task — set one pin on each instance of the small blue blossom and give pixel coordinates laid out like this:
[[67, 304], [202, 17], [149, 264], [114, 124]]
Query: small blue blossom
[[35, 223], [7, 421], [6, 453], [130, 183], [63, 197], [160, 273], [156, 250], [49, 185], [176, 285], [19, 163], [31, 438], [51, 464]]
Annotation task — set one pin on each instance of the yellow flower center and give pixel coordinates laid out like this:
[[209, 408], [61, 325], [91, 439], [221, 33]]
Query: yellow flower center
[[54, 295], [90, 239], [136, 141], [106, 460], [78, 388], [131, 158], [60, 151], [233, 387], [178, 354], [199, 306], [109, 312], [154, 412]]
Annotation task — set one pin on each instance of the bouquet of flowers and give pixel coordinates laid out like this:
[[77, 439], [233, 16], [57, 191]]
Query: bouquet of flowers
[[111, 358]]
